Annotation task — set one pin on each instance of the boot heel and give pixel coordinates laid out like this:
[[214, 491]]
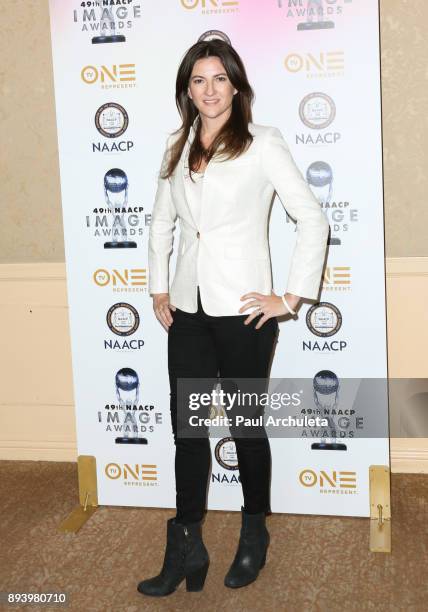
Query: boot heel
[[263, 561], [195, 580]]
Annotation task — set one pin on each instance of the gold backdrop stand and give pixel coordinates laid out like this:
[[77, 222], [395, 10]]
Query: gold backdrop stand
[[380, 509], [88, 495]]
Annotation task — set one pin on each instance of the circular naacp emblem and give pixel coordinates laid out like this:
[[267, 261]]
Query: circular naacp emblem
[[324, 319], [317, 110], [123, 319], [111, 120], [213, 34], [225, 453]]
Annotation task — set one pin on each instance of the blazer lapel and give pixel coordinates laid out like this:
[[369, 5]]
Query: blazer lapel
[[184, 169]]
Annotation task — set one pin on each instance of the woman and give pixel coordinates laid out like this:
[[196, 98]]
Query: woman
[[218, 176]]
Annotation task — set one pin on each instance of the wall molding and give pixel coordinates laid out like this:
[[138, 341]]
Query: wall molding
[[43, 286], [40, 450], [409, 460], [21, 272], [403, 461], [406, 266]]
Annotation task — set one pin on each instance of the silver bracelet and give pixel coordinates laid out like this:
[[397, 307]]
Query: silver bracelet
[[286, 304]]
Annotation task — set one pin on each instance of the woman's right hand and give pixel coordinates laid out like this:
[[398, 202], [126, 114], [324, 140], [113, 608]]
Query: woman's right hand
[[162, 308]]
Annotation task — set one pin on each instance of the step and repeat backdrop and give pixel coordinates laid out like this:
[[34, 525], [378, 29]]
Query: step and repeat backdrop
[[314, 66]]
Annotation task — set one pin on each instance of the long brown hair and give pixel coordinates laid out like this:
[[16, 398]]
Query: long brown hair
[[234, 136]]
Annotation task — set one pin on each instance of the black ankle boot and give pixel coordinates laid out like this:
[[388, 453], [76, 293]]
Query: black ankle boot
[[251, 554], [185, 557]]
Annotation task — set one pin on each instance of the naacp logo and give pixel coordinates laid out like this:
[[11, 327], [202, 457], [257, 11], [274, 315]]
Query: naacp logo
[[317, 110], [111, 120], [123, 319], [225, 453], [324, 319]]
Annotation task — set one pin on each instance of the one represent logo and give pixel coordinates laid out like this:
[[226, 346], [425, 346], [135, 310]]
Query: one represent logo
[[132, 279], [324, 319], [134, 475], [211, 7], [337, 278], [107, 23], [123, 319], [116, 76], [332, 481], [225, 454], [111, 120], [326, 64], [317, 110], [214, 35]]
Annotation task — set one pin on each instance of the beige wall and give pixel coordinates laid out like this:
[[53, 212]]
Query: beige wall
[[31, 220], [35, 357], [36, 403], [404, 49], [31, 224]]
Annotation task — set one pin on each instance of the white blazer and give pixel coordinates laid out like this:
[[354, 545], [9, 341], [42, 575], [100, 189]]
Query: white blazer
[[227, 252]]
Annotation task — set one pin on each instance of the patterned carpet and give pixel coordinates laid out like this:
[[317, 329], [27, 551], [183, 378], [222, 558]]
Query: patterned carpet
[[313, 564]]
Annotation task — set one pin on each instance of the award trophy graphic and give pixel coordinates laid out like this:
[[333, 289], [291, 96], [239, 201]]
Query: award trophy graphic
[[315, 7], [213, 35], [127, 393], [116, 196], [326, 395], [107, 29], [320, 177]]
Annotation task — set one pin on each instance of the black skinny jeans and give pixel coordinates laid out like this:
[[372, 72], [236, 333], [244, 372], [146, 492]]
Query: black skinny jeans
[[205, 346]]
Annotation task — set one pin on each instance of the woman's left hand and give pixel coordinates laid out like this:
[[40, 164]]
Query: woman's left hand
[[270, 305]]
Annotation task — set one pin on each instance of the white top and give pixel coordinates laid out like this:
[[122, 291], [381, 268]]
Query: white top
[[195, 194]]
